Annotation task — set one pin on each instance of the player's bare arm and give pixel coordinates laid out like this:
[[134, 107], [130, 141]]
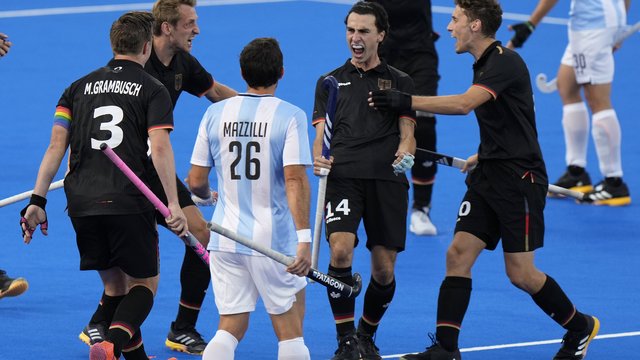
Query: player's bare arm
[[35, 215], [220, 92], [318, 161], [299, 200]]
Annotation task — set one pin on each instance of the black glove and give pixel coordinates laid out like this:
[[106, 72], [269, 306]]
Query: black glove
[[390, 100], [40, 202], [522, 33]]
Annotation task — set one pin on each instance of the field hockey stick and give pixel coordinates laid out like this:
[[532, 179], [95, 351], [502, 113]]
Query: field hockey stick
[[552, 85], [331, 84], [25, 195], [188, 239], [459, 164], [313, 274]]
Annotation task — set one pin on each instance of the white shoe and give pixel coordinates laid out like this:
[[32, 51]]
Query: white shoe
[[421, 223]]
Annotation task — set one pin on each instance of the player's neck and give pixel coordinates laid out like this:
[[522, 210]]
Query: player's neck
[[367, 65], [480, 47], [164, 51], [270, 90], [136, 59]]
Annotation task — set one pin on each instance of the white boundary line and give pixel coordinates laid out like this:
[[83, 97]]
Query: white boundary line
[[92, 9], [531, 343]]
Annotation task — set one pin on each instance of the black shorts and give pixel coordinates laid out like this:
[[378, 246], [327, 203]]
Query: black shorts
[[499, 204], [184, 196], [129, 242], [380, 204]]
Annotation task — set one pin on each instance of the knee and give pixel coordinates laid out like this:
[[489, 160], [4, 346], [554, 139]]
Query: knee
[[341, 255], [528, 281], [455, 260], [383, 275]]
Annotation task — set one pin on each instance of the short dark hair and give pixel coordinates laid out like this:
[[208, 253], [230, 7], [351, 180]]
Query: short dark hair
[[130, 32], [261, 62], [167, 11], [488, 12], [371, 8]]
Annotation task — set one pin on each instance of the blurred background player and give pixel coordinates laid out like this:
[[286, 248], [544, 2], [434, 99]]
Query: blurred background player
[[9, 286], [410, 47], [171, 62], [276, 154], [588, 64]]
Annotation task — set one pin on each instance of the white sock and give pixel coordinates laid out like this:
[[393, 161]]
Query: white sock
[[221, 347], [293, 349], [575, 122], [607, 137]]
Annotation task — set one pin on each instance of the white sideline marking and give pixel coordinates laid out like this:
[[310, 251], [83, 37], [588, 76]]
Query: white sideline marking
[[92, 9], [531, 343]]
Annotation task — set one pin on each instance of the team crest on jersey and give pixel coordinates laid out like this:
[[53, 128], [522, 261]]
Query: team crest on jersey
[[384, 84], [178, 82]]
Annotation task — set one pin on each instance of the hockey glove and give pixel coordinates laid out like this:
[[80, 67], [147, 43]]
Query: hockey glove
[[390, 100], [522, 33], [40, 202], [404, 164]]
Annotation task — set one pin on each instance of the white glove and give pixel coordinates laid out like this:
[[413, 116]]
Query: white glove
[[404, 164], [210, 201]]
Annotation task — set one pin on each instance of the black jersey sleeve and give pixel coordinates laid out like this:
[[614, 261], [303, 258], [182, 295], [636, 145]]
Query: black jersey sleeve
[[159, 111], [501, 73], [199, 80], [320, 103]]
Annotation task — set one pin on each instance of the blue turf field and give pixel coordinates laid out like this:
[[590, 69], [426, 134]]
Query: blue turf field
[[591, 251]]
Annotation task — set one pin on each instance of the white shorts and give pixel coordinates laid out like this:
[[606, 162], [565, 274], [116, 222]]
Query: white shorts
[[239, 279], [590, 53]]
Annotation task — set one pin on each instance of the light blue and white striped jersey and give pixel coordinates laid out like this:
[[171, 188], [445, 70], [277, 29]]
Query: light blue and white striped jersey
[[250, 139], [597, 14]]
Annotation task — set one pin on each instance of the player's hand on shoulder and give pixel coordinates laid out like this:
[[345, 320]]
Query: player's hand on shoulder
[[302, 263], [31, 216], [522, 31], [390, 100], [322, 166], [177, 221]]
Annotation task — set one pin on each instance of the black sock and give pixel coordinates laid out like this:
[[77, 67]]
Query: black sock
[[422, 196], [134, 350], [106, 308], [342, 307], [575, 170], [376, 301], [131, 313], [555, 303], [194, 280], [453, 302]]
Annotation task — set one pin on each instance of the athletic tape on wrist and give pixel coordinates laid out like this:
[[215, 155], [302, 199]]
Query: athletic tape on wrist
[[38, 201], [304, 235]]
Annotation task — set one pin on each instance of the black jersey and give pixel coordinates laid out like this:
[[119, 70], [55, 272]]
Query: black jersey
[[117, 104], [364, 140], [184, 73], [507, 123], [410, 24]]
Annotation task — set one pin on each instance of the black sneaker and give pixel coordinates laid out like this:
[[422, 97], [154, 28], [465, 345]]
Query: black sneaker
[[347, 348], [575, 344], [434, 352], [185, 340], [367, 347], [606, 193], [580, 182], [10, 286], [93, 333]]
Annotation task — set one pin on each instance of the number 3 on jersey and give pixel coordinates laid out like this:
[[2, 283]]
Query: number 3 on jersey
[[343, 206], [116, 116]]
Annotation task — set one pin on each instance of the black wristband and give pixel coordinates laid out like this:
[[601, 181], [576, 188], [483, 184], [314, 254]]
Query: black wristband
[[38, 201]]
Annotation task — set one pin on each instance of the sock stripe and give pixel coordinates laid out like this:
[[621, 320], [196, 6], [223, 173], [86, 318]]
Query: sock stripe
[[124, 327], [456, 326]]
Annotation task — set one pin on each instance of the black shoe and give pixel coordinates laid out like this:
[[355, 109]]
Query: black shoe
[[367, 347], [434, 352], [347, 348], [605, 193], [580, 182], [93, 333], [575, 344], [10, 286], [185, 340]]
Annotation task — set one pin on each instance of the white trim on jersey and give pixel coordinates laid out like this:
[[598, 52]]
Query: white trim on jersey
[[250, 139]]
